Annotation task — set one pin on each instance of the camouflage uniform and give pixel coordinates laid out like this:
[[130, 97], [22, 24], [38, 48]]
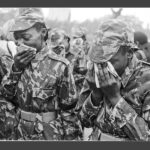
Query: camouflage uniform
[[79, 48], [7, 43], [57, 38], [8, 118], [8, 36], [129, 118], [45, 93]]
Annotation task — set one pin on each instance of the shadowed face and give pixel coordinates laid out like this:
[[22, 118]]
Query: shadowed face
[[120, 60], [31, 37]]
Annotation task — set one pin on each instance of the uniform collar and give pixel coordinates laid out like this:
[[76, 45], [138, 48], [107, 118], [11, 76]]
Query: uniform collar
[[40, 55]]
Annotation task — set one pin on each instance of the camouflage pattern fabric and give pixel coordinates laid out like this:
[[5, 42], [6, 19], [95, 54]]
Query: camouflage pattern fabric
[[8, 48], [140, 54], [27, 18], [129, 118], [7, 35], [46, 85], [112, 34], [80, 49], [56, 41], [8, 118]]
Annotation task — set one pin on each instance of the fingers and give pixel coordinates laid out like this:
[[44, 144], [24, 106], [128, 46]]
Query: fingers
[[90, 76], [101, 74], [104, 75], [21, 52], [23, 59], [28, 59], [90, 73], [25, 55]]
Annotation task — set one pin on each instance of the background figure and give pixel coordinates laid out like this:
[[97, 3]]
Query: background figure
[[80, 48], [59, 42], [8, 109], [143, 51]]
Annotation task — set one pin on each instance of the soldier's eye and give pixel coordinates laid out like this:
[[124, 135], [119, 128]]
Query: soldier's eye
[[26, 39]]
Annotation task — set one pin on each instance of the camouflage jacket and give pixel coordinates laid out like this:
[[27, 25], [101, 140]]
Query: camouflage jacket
[[45, 85], [80, 66], [8, 120], [78, 59], [130, 118]]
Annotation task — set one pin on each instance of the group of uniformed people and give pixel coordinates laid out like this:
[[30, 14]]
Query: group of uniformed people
[[53, 85]]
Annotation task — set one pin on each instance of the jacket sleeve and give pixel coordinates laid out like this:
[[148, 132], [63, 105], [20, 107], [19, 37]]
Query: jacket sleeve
[[88, 111], [67, 90], [134, 125], [9, 82]]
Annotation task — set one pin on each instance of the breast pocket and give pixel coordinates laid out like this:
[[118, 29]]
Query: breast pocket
[[46, 87]]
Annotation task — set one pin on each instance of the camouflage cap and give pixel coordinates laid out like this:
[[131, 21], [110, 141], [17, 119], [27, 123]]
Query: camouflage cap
[[78, 32], [56, 37], [27, 18], [112, 34]]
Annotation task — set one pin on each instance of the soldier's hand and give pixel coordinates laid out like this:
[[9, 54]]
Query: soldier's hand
[[96, 92], [22, 59], [110, 85]]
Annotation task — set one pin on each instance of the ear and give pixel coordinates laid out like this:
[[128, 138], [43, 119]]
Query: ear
[[129, 54], [44, 31]]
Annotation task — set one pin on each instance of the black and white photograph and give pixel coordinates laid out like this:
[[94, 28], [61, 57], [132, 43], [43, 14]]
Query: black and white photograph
[[75, 74]]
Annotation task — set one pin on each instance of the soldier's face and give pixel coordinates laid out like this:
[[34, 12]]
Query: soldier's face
[[31, 37], [120, 61]]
